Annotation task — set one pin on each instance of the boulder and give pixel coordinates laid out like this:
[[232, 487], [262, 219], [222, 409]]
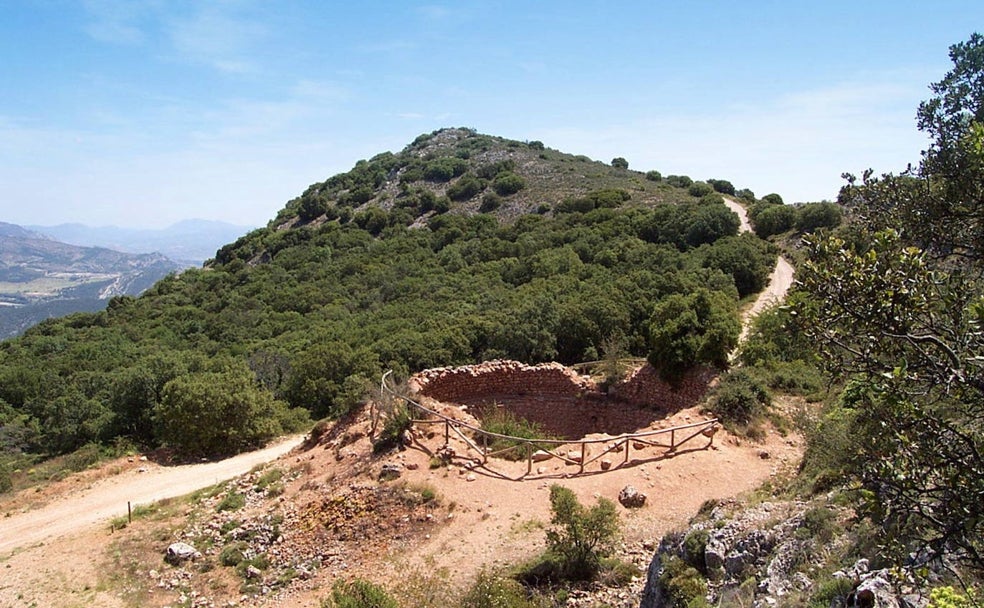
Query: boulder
[[541, 456], [178, 553], [631, 498], [390, 471]]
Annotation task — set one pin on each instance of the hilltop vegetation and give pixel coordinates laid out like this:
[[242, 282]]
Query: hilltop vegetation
[[462, 247]]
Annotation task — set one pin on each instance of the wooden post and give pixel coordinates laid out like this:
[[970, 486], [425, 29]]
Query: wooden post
[[584, 448], [129, 513]]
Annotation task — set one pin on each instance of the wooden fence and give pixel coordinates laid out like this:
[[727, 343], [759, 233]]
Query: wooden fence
[[578, 452]]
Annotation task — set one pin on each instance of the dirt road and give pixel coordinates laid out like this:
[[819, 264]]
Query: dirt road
[[779, 282], [108, 497]]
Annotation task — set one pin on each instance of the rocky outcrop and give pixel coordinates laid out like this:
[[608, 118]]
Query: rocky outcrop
[[761, 555]]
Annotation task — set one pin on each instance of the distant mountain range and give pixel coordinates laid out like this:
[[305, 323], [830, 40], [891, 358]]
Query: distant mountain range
[[54, 271], [189, 242]]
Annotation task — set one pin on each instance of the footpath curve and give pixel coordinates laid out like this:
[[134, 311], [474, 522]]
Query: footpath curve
[[779, 282], [108, 497]]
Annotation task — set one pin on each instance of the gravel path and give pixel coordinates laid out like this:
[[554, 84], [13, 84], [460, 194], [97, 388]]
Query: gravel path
[[108, 497]]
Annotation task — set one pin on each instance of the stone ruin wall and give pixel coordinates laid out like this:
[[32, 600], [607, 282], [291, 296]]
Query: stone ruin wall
[[643, 387], [454, 384], [561, 401]]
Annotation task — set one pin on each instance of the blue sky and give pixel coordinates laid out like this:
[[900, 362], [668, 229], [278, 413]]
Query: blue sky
[[145, 112]]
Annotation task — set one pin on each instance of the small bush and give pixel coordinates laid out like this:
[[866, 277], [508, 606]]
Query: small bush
[[233, 554], [680, 181], [580, 536], [490, 202], [620, 163], [683, 584], [740, 399], [505, 184], [829, 590], [699, 189], [503, 422], [358, 593], [491, 590], [6, 483], [694, 545], [233, 501], [654, 176], [818, 523], [397, 422], [465, 188]]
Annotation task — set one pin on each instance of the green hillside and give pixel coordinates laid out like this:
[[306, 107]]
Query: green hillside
[[462, 247]]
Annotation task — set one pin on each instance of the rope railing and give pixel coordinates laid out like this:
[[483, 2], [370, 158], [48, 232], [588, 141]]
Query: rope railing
[[538, 450]]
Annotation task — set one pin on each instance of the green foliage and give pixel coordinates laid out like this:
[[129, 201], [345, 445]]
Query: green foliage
[[398, 420], [213, 413], [444, 169], [309, 315], [699, 189], [232, 501], [6, 483], [233, 554], [684, 585], [654, 176], [491, 590], [814, 216], [739, 399], [490, 202], [688, 330], [746, 195], [771, 219], [465, 188], [895, 304], [748, 260], [580, 536], [620, 163], [948, 597], [358, 593], [507, 183], [722, 185], [694, 546], [827, 591], [501, 421], [772, 199], [679, 181]]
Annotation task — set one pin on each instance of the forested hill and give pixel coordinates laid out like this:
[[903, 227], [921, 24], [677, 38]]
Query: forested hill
[[459, 248]]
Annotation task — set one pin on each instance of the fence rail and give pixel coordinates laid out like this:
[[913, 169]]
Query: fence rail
[[541, 450]]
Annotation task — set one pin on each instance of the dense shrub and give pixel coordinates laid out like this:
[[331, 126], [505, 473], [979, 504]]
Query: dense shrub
[[508, 183], [722, 185], [490, 202], [680, 181], [746, 195], [773, 219], [654, 176], [699, 189], [772, 199], [444, 169], [465, 188], [491, 590], [692, 329], [814, 216], [620, 163], [739, 399], [683, 584]]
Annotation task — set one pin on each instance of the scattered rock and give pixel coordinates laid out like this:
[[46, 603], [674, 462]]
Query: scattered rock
[[606, 464], [541, 456], [390, 471], [764, 454], [178, 553], [631, 498]]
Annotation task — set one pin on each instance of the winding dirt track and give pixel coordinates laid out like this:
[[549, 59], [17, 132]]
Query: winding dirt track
[[108, 497], [779, 282]]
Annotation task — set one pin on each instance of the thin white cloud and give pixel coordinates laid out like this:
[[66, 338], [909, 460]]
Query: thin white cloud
[[116, 21], [216, 37], [796, 144]]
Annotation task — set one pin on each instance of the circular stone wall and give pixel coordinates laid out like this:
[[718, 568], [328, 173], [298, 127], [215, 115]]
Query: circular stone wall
[[563, 403]]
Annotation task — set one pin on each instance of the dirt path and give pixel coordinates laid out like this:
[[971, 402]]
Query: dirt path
[[779, 282], [108, 497]]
